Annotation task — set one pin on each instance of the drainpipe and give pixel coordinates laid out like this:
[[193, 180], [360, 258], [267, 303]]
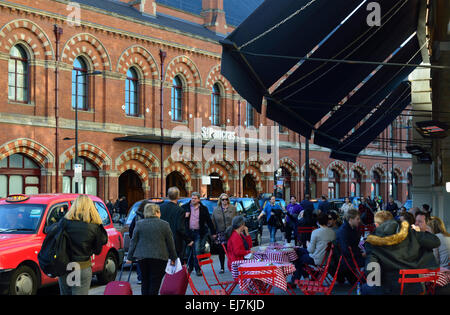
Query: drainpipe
[[58, 32], [162, 56]]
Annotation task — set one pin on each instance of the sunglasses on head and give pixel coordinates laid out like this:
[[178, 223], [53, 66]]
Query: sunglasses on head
[[224, 199]]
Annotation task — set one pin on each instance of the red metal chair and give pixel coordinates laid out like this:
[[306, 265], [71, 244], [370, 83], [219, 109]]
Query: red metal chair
[[315, 272], [427, 276], [355, 269], [227, 286], [309, 287], [203, 292], [266, 274]]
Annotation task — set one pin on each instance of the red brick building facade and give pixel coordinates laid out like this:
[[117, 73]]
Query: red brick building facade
[[123, 41]]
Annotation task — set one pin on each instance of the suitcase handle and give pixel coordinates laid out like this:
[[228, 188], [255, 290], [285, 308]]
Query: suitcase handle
[[121, 271]]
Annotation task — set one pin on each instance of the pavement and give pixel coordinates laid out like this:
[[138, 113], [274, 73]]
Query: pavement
[[200, 284]]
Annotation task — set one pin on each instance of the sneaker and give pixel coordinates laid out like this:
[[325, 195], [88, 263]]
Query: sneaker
[[222, 271]]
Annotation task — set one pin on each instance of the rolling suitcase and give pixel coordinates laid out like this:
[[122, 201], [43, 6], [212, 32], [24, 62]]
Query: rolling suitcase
[[175, 284], [119, 287]]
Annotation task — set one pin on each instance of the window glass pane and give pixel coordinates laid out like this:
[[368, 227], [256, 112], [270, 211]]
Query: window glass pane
[[4, 163], [29, 163], [16, 161], [12, 66], [89, 166], [21, 67], [15, 184], [66, 185], [12, 93], [12, 79], [31, 190], [103, 213], [3, 186], [32, 180], [91, 186]]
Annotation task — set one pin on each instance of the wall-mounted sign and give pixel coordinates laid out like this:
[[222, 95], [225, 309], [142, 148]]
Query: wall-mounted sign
[[217, 134]]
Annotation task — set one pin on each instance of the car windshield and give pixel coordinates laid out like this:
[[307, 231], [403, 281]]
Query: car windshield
[[22, 218]]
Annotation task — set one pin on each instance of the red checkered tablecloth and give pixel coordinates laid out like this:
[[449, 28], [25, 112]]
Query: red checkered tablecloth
[[443, 277], [279, 255], [283, 270]]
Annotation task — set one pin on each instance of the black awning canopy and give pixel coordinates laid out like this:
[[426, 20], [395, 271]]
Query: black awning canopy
[[252, 76], [318, 84], [383, 116]]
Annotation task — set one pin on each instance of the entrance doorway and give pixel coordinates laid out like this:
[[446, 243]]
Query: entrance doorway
[[130, 186], [249, 186], [175, 179], [216, 187]]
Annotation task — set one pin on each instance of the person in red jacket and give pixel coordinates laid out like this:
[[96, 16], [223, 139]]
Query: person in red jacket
[[240, 242]]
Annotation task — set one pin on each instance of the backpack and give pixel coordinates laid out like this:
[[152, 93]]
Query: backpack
[[54, 254]]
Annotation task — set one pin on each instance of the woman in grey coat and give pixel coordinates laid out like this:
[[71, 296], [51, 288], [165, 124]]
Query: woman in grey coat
[[152, 246], [222, 217]]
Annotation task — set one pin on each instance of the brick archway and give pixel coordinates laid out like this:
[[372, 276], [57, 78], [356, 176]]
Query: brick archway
[[215, 76], [187, 68], [90, 151], [138, 56], [26, 31], [86, 44], [31, 148]]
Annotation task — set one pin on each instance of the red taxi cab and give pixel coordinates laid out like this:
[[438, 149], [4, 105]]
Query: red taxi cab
[[23, 220]]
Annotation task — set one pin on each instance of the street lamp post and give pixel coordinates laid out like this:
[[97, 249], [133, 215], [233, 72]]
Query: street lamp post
[[76, 123], [162, 56]]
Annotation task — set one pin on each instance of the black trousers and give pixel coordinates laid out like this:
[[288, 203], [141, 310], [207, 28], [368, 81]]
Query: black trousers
[[153, 271]]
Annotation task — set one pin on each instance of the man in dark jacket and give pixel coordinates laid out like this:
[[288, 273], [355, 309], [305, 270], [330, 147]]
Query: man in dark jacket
[[324, 205], [395, 246], [349, 236], [198, 220], [391, 206], [175, 216]]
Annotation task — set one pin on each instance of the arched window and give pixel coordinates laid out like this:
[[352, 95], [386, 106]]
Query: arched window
[[79, 84], [215, 106], [250, 115], [355, 189], [177, 100], [19, 175], [90, 175], [375, 188], [410, 183], [131, 93], [18, 75], [334, 181]]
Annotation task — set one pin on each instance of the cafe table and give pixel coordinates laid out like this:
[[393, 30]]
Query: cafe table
[[283, 270]]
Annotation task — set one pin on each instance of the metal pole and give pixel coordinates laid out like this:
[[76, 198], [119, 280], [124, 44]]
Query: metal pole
[[76, 136], [299, 168], [238, 148], [162, 56], [307, 189], [58, 32]]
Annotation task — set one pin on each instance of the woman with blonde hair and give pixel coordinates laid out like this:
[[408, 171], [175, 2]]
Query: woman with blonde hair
[[441, 253], [222, 217], [87, 237]]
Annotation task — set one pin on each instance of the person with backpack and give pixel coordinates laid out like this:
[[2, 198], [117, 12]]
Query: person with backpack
[[87, 236], [274, 215]]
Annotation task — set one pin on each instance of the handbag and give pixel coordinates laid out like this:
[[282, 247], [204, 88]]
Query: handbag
[[171, 269]]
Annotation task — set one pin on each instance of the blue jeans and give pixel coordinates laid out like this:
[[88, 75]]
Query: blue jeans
[[195, 249], [273, 232]]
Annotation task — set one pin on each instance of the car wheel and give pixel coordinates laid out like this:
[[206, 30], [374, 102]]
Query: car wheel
[[23, 281], [110, 269]]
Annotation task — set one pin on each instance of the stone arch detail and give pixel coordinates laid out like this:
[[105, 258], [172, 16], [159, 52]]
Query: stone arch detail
[[144, 156], [138, 168], [379, 168], [88, 45], [26, 31], [290, 165], [215, 76], [185, 66], [90, 151], [256, 175], [359, 167], [31, 148], [316, 166], [342, 170], [180, 168], [140, 57]]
